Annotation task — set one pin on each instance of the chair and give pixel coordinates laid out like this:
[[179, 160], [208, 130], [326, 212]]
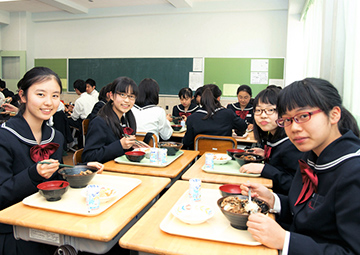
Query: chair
[[141, 135], [77, 156], [85, 125], [214, 143]]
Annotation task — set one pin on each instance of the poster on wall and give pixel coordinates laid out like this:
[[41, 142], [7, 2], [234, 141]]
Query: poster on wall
[[259, 71], [196, 80]]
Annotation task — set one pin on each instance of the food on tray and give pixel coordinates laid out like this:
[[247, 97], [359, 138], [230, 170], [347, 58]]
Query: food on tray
[[106, 192], [86, 172], [248, 157], [221, 157], [169, 144], [238, 205]]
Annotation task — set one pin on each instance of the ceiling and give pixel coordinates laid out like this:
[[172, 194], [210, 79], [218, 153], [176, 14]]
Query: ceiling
[[47, 10], [83, 6]]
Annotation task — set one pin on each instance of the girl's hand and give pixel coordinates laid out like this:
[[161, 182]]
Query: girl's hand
[[250, 127], [266, 231], [184, 118], [10, 107], [47, 170], [127, 142], [257, 151], [168, 117], [141, 144], [252, 168], [99, 166], [258, 190]]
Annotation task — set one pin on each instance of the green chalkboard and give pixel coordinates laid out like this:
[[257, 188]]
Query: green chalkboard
[[172, 74], [222, 71]]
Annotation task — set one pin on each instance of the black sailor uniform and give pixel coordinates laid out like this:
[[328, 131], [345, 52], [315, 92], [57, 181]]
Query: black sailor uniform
[[221, 123], [329, 221], [19, 177], [101, 144], [247, 114], [178, 110], [282, 164]]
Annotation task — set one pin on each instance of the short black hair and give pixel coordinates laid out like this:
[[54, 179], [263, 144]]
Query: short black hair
[[80, 85], [2, 84], [91, 82]]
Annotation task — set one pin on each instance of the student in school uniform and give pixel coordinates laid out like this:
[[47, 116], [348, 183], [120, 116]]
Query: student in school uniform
[[25, 140], [91, 88], [4, 90], [150, 117], [281, 155], [243, 108], [211, 118], [197, 95], [323, 204], [83, 106], [186, 108], [104, 97], [112, 132]]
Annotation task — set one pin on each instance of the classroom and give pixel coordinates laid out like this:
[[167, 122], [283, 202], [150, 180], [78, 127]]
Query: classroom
[[209, 41]]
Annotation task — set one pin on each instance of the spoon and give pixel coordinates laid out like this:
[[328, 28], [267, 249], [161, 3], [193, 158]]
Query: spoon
[[251, 207]]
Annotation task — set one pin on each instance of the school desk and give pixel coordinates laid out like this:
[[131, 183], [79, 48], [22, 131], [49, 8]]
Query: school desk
[[195, 171], [87, 233], [248, 139], [146, 235], [173, 170]]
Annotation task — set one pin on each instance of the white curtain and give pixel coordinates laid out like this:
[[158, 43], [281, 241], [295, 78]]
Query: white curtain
[[351, 91], [332, 50]]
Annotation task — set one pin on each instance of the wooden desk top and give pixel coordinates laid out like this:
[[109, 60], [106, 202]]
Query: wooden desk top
[[195, 171], [146, 235], [103, 227], [248, 139], [170, 171], [179, 135]]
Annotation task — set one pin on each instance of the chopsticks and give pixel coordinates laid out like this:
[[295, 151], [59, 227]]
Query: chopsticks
[[136, 141], [61, 165]]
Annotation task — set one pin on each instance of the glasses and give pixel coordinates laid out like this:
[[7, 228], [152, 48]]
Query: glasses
[[244, 98], [267, 111], [124, 96], [298, 118]]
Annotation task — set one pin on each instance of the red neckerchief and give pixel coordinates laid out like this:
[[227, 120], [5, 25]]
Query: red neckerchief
[[310, 182], [43, 151], [242, 114], [267, 152]]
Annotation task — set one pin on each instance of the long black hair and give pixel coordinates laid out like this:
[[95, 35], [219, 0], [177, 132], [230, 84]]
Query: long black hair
[[209, 99], [148, 92], [314, 92], [267, 96], [119, 85], [36, 75]]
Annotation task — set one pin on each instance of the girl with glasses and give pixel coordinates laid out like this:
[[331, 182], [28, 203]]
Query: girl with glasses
[[281, 156], [323, 204], [106, 138], [243, 108]]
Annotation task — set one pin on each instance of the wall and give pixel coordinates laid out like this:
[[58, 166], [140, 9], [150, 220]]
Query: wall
[[230, 34]]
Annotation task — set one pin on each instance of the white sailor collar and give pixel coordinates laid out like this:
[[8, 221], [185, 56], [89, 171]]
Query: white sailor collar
[[274, 144], [25, 135], [345, 148]]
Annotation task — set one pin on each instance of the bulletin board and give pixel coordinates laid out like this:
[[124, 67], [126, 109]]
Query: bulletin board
[[237, 71]]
